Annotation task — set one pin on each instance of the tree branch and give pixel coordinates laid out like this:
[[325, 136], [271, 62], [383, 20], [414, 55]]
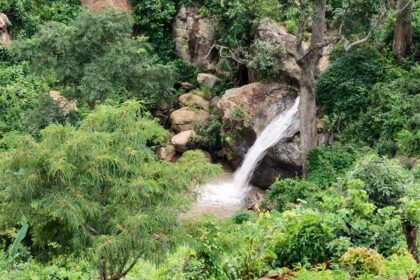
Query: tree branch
[[402, 10], [348, 45], [301, 30]]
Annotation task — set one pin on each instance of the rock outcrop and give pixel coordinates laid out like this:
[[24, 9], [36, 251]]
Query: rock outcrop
[[194, 36], [245, 112], [186, 118], [273, 33], [100, 5], [182, 140], [4, 34]]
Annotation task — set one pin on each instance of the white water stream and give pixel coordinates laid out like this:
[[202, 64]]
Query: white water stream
[[234, 191]]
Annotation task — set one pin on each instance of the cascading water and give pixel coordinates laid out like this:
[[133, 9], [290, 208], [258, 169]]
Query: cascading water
[[235, 190]]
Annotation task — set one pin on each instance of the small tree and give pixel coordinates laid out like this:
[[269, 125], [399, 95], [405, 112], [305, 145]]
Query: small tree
[[95, 57], [308, 58], [388, 184], [99, 186]]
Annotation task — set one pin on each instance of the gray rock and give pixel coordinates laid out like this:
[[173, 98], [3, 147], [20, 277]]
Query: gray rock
[[166, 153], [182, 140], [259, 104], [195, 36], [208, 80]]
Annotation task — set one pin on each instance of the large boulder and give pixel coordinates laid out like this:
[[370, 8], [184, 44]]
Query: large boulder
[[245, 112], [187, 117], [4, 34], [273, 33], [100, 5], [208, 80], [194, 100], [194, 36], [182, 140]]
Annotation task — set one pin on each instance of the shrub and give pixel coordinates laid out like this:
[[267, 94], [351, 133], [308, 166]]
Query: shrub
[[304, 238], [327, 163], [285, 194], [362, 260], [386, 181], [95, 58]]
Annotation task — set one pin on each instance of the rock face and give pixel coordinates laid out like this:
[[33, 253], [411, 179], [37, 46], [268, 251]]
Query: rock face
[[4, 34], [185, 118], [182, 140], [100, 5], [194, 36], [208, 80], [65, 105], [245, 112], [273, 33]]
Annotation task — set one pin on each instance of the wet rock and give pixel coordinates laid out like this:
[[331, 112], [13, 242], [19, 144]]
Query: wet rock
[[195, 36], [100, 5], [182, 140], [208, 80], [166, 153], [4, 34], [194, 100], [245, 112], [186, 118]]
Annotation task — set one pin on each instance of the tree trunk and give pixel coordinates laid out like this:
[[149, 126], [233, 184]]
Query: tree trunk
[[403, 34], [307, 111], [308, 64], [410, 232]]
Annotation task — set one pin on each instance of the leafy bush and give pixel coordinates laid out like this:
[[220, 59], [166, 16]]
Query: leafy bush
[[26, 15], [286, 193], [304, 238], [326, 164], [95, 58], [362, 260], [266, 61], [386, 181], [19, 95]]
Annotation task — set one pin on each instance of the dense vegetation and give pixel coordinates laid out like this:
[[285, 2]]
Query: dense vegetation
[[83, 194]]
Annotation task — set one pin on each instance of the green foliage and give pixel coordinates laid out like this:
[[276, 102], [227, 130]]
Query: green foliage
[[286, 194], [266, 60], [362, 260], [304, 238], [26, 15], [47, 111], [19, 91], [326, 164], [95, 58], [154, 20], [344, 87], [386, 182], [99, 185]]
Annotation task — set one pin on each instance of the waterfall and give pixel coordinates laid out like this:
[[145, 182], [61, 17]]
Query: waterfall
[[235, 191]]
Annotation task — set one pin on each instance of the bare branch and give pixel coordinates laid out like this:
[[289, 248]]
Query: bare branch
[[319, 46], [402, 10], [348, 45]]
